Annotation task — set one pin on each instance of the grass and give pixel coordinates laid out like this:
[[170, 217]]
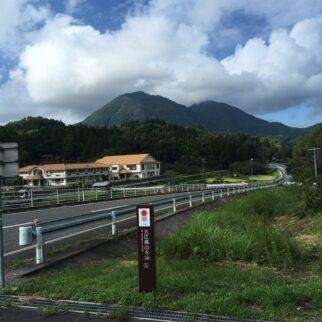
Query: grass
[[241, 260], [119, 313], [262, 177], [52, 310]]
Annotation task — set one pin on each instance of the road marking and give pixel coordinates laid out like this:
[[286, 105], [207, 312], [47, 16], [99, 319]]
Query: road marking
[[26, 223], [109, 208]]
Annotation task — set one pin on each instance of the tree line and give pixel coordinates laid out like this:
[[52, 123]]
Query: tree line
[[181, 148]]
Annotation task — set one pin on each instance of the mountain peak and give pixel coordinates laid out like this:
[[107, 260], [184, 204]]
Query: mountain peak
[[213, 116]]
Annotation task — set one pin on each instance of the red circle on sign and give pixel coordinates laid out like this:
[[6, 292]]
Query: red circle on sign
[[144, 212]]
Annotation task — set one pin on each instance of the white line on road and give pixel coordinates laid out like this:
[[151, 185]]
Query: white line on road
[[108, 208], [26, 223]]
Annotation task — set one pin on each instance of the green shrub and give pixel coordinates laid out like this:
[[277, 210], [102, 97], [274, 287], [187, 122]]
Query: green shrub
[[240, 231]]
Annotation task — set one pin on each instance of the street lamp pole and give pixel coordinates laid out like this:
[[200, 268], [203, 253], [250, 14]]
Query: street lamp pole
[[314, 149], [203, 168], [251, 167]]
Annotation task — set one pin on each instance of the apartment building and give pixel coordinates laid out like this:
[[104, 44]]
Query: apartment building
[[64, 174], [132, 165]]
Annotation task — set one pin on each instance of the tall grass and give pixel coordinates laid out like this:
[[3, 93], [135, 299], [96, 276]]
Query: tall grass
[[242, 230]]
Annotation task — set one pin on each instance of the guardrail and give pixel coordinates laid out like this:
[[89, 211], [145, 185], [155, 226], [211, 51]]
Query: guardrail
[[14, 201], [32, 198], [37, 232]]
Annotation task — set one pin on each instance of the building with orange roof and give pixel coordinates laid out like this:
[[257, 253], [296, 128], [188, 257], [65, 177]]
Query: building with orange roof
[[132, 165], [64, 174]]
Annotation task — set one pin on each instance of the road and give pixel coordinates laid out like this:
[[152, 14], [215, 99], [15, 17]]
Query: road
[[12, 221]]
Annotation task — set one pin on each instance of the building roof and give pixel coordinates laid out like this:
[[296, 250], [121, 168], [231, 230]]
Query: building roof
[[64, 166], [124, 159], [28, 168]]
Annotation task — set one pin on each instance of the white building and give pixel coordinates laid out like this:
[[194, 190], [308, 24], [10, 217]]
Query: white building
[[132, 165], [63, 174]]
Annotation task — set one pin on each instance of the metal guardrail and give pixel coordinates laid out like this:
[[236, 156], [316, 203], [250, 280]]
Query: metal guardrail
[[32, 198], [51, 228], [15, 200]]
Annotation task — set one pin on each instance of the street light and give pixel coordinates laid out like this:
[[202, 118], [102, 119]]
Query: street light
[[203, 168], [251, 167]]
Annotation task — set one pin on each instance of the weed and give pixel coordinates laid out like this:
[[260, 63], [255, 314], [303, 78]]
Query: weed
[[52, 310], [8, 304], [119, 313]]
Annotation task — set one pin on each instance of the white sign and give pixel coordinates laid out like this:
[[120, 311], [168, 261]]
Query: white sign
[[144, 217]]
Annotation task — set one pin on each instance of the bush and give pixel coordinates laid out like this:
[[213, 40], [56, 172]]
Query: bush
[[245, 168], [239, 231], [313, 195], [119, 313]]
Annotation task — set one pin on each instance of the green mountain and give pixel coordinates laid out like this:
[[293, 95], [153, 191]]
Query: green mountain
[[140, 106], [225, 118], [212, 116]]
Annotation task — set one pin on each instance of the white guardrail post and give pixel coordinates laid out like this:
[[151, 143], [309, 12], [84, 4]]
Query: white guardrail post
[[57, 196], [31, 199], [174, 205], [203, 197], [190, 201], [220, 193], [213, 195], [113, 223], [39, 246]]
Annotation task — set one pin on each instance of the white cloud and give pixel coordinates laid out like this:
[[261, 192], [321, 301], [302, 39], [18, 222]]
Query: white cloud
[[17, 17], [288, 68], [67, 70]]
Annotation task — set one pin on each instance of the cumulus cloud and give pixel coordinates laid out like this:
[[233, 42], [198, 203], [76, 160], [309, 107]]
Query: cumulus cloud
[[17, 17], [67, 69]]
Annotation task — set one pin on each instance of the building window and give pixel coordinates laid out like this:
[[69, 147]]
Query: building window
[[114, 168], [142, 166], [131, 166]]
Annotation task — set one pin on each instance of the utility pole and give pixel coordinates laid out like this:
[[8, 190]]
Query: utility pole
[[314, 149]]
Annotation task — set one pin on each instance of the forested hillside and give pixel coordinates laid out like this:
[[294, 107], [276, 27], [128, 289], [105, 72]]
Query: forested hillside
[[213, 116], [302, 163], [177, 147]]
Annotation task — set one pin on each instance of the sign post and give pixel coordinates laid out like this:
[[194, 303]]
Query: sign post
[[146, 251], [8, 169]]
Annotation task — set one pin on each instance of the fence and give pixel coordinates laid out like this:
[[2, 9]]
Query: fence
[[22, 199], [52, 228]]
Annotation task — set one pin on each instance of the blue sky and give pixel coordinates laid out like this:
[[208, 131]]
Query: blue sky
[[66, 58]]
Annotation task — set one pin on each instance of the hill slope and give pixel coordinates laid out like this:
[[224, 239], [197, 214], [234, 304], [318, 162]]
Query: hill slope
[[210, 115], [225, 118], [140, 106]]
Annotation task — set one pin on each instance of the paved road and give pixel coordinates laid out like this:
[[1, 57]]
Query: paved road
[[12, 221], [28, 315]]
